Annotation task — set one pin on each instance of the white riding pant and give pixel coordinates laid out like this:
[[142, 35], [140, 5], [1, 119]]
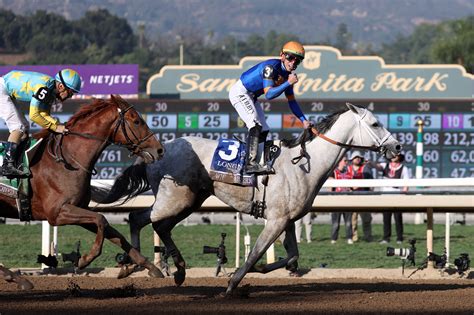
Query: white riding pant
[[14, 119], [249, 110]]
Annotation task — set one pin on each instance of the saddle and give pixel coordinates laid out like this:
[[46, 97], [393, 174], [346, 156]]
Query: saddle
[[19, 188], [228, 162]]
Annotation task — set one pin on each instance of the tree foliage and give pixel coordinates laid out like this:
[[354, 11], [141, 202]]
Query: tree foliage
[[447, 43], [456, 43], [100, 38]]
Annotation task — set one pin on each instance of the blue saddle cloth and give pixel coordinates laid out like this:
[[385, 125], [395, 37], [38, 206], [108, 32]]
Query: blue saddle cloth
[[228, 162]]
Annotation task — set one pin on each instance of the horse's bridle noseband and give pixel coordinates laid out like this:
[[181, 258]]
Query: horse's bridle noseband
[[133, 147]]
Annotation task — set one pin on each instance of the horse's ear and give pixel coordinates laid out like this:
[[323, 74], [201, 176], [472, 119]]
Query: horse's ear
[[117, 99], [352, 108]]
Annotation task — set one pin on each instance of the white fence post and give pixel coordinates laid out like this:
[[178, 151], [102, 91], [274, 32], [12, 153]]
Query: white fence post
[[237, 239], [419, 163], [45, 242]]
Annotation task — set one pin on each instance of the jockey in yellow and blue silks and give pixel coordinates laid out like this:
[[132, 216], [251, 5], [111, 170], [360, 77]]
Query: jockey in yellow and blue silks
[[41, 91], [270, 78]]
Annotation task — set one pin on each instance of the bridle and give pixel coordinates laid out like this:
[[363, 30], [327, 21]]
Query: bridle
[[379, 147], [121, 124], [362, 124]]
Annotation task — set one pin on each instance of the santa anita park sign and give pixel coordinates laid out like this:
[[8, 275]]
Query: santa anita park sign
[[324, 74]]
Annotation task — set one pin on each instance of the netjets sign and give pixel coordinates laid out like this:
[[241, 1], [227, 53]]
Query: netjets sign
[[324, 74]]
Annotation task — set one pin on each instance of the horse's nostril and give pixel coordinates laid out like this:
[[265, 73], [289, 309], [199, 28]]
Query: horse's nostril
[[161, 152], [398, 148]]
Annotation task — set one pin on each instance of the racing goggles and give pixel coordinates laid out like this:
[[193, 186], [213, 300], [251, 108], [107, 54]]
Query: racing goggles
[[291, 58]]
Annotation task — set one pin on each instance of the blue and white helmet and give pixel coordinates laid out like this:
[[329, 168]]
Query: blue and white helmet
[[70, 79]]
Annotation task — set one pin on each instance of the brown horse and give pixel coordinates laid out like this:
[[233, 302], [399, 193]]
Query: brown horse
[[61, 173]]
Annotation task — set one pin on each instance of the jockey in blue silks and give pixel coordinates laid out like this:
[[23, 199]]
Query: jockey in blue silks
[[41, 91], [270, 78]]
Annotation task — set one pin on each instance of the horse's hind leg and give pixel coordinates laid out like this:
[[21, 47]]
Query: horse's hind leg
[[291, 260], [270, 233], [9, 276]]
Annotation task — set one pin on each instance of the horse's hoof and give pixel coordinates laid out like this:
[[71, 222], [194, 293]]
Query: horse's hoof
[[154, 272], [24, 284], [82, 263], [179, 277], [239, 292], [295, 274], [126, 270]]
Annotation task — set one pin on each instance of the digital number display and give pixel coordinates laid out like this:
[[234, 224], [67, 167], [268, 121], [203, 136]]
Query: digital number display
[[448, 127]]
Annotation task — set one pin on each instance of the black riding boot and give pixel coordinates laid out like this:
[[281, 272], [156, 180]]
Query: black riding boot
[[9, 168], [251, 164]]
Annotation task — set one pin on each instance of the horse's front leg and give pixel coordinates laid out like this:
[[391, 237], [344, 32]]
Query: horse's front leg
[[71, 214], [9, 276], [97, 223], [292, 255], [163, 228], [270, 233], [137, 220]]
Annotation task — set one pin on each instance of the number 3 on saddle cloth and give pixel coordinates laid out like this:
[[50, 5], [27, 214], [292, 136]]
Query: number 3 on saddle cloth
[[228, 162], [19, 188]]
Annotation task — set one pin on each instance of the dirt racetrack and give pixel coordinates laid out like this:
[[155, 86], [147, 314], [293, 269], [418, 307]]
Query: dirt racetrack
[[321, 291]]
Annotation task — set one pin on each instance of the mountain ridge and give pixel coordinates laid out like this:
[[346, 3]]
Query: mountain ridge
[[369, 21]]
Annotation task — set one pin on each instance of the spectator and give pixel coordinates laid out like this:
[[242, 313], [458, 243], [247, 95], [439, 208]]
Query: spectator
[[341, 173], [307, 221], [393, 169], [358, 170]]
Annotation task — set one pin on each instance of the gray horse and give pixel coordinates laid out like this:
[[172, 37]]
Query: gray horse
[[181, 183]]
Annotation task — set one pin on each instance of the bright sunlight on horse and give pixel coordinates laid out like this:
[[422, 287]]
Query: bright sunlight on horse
[[181, 183], [61, 172]]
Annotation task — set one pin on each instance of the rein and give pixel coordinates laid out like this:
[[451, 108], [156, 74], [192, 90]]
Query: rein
[[134, 148], [344, 145], [375, 148], [121, 122]]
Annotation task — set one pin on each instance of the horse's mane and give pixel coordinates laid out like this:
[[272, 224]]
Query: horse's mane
[[84, 111], [323, 126]]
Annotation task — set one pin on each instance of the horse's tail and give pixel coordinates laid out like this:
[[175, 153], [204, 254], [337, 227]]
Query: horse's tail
[[129, 185]]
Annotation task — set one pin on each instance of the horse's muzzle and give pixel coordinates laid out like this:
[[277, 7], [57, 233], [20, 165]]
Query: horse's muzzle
[[392, 149], [150, 155], [161, 153]]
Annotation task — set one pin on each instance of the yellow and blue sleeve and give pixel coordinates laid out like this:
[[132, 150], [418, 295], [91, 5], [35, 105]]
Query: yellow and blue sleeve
[[40, 114]]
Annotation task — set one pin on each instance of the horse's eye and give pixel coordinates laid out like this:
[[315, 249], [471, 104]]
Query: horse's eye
[[375, 125], [136, 122]]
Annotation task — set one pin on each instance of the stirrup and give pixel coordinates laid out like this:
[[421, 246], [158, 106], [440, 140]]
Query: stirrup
[[13, 172]]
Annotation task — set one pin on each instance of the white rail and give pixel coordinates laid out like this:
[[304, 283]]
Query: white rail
[[332, 203], [331, 183], [369, 203]]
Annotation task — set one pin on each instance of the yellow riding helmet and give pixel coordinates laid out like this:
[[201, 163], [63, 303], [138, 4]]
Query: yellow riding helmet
[[294, 48]]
